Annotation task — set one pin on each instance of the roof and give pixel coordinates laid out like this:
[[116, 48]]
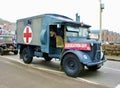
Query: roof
[[59, 16], [67, 20], [62, 19]]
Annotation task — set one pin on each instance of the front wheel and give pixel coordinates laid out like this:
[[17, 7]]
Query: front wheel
[[72, 65], [26, 56]]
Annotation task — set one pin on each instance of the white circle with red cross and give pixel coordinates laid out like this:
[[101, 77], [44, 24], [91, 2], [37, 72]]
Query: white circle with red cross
[[27, 35]]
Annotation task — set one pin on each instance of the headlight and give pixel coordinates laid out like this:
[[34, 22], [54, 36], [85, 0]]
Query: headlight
[[85, 57], [101, 55]]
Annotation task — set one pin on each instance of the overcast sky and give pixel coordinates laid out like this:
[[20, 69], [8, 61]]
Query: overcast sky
[[88, 10]]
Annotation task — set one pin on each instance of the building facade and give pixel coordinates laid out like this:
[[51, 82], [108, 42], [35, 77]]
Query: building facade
[[107, 36]]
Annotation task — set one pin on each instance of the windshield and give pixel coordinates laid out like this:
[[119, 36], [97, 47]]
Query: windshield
[[83, 32], [72, 31], [76, 31]]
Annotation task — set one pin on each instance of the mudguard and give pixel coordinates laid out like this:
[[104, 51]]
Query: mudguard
[[84, 58]]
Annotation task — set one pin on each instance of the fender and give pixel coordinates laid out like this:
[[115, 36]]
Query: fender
[[84, 58]]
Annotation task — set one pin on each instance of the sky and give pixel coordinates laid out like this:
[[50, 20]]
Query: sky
[[88, 10]]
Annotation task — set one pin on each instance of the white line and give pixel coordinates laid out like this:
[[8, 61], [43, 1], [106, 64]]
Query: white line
[[17, 60], [32, 65], [89, 81], [45, 69], [112, 69]]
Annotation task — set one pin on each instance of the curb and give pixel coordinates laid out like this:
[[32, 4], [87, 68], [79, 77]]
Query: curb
[[113, 58]]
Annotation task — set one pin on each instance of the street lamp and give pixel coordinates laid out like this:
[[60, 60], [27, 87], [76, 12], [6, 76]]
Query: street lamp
[[101, 10]]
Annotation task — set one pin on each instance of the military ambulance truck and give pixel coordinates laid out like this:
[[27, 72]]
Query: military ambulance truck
[[57, 36], [7, 44]]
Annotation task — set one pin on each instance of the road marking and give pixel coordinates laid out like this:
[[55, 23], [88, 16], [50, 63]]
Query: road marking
[[44, 69], [112, 69], [32, 65], [118, 86], [88, 81]]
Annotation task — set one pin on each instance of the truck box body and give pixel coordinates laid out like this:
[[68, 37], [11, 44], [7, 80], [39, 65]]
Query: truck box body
[[34, 24], [37, 24]]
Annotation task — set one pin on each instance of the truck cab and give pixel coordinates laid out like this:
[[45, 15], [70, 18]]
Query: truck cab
[[66, 34], [57, 36]]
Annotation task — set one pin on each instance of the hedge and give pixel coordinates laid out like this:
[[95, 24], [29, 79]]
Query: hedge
[[111, 49]]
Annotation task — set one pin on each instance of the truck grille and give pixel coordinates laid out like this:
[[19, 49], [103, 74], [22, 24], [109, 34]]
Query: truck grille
[[96, 53]]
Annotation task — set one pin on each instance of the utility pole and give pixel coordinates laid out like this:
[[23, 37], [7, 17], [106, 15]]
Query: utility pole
[[101, 10]]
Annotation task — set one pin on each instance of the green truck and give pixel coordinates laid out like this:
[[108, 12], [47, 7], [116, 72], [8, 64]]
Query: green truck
[[7, 44]]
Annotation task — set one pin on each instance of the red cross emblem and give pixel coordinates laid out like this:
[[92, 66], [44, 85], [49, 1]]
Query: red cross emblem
[[27, 35]]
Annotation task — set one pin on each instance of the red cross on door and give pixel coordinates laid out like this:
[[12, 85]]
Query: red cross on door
[[27, 35]]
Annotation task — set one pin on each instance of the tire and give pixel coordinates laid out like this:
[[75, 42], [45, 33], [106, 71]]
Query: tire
[[72, 66], [6, 52], [46, 57], [26, 56], [94, 68], [1, 51], [15, 52]]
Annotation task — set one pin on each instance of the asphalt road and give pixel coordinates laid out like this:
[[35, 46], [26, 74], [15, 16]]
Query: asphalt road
[[47, 75]]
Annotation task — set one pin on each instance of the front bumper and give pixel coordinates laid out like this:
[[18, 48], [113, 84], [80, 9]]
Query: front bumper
[[99, 59], [96, 63], [9, 49]]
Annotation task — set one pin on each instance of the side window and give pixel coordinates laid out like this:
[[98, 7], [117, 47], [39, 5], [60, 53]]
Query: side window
[[29, 22]]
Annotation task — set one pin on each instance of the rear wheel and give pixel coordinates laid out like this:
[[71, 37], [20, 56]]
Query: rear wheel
[[72, 65], [26, 56], [1, 51]]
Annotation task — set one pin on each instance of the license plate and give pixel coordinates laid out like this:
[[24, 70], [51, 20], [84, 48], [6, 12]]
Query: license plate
[[9, 49]]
